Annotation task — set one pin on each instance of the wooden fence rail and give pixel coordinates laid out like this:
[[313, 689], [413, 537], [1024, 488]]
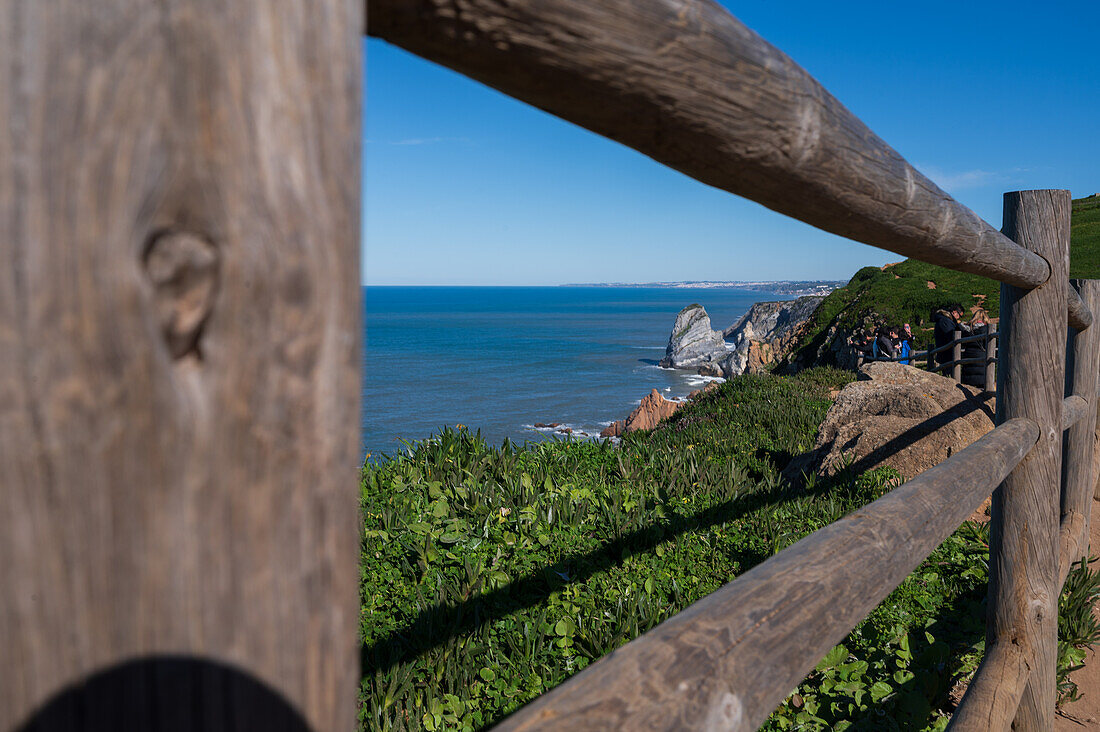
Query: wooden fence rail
[[179, 370]]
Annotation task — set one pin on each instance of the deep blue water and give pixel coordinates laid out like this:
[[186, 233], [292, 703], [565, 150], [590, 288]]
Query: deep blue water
[[500, 359]]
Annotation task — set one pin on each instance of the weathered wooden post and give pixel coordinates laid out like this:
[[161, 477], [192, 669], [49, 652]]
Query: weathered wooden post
[[179, 363], [956, 356], [931, 359], [1079, 454], [991, 362], [1023, 597]]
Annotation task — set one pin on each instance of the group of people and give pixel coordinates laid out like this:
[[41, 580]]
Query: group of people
[[896, 343], [949, 319], [886, 342]]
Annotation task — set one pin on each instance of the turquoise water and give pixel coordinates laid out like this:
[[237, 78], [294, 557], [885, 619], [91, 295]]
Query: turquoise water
[[500, 359]]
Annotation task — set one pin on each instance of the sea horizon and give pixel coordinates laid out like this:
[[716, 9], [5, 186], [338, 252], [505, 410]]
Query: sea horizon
[[502, 358]]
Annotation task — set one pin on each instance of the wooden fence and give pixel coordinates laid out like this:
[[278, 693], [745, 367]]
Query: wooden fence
[[956, 362], [179, 359]]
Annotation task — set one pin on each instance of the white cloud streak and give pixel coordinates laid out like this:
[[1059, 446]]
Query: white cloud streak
[[421, 141], [969, 179]]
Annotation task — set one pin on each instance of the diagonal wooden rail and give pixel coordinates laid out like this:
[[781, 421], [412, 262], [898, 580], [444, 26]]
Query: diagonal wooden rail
[[689, 85]]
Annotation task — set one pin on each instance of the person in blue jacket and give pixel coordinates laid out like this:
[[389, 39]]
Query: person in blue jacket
[[905, 344]]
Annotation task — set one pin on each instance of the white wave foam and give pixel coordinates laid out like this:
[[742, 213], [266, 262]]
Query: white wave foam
[[697, 380], [581, 432]]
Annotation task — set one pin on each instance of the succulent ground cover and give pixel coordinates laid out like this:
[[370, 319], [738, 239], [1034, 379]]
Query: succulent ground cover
[[492, 574]]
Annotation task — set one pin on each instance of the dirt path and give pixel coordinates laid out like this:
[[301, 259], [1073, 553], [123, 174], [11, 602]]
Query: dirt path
[[1084, 714]]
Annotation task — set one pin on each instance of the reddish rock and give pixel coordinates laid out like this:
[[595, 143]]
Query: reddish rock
[[760, 355], [653, 409], [546, 425], [615, 429]]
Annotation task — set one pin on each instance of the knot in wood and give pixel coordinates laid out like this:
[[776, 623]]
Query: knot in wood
[[183, 268]]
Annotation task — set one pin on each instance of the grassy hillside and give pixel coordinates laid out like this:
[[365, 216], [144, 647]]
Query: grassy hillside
[[490, 575], [903, 292], [1084, 260]]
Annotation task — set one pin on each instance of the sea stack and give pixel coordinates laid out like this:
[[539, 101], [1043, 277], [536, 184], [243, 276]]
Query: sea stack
[[693, 341]]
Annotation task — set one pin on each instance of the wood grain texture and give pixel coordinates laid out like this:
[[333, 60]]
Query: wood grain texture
[[1023, 565], [1074, 410], [1073, 542], [994, 693], [687, 84], [725, 662], [1080, 314], [1079, 470], [179, 343]]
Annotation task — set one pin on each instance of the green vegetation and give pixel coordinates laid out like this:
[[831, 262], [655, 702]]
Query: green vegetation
[[1078, 628], [900, 293], [490, 575], [1084, 261]]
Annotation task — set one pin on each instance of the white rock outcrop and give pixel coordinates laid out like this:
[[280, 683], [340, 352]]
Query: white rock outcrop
[[693, 342]]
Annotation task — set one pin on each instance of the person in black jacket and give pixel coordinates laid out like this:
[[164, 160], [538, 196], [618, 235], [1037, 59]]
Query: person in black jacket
[[886, 342], [946, 321], [973, 374], [862, 344]]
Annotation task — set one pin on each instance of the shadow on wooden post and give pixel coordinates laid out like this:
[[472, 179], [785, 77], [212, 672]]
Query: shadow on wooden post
[[168, 693]]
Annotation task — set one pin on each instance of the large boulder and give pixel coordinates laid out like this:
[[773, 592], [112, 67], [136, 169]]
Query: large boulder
[[897, 416], [653, 409], [693, 342]]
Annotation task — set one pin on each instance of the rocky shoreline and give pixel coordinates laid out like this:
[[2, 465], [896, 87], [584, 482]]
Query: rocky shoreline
[[760, 338]]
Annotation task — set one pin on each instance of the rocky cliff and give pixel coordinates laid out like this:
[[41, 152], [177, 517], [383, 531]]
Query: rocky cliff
[[693, 343], [766, 333]]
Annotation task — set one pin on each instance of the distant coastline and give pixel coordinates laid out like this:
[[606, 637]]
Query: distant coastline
[[794, 288]]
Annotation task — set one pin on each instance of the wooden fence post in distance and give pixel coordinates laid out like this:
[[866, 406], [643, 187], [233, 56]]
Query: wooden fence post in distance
[[956, 356], [1080, 438], [1023, 604], [991, 362], [179, 363]]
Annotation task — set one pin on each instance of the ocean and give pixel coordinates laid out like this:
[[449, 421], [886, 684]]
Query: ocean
[[500, 359]]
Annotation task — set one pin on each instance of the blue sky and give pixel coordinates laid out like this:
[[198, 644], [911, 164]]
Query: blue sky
[[465, 186]]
